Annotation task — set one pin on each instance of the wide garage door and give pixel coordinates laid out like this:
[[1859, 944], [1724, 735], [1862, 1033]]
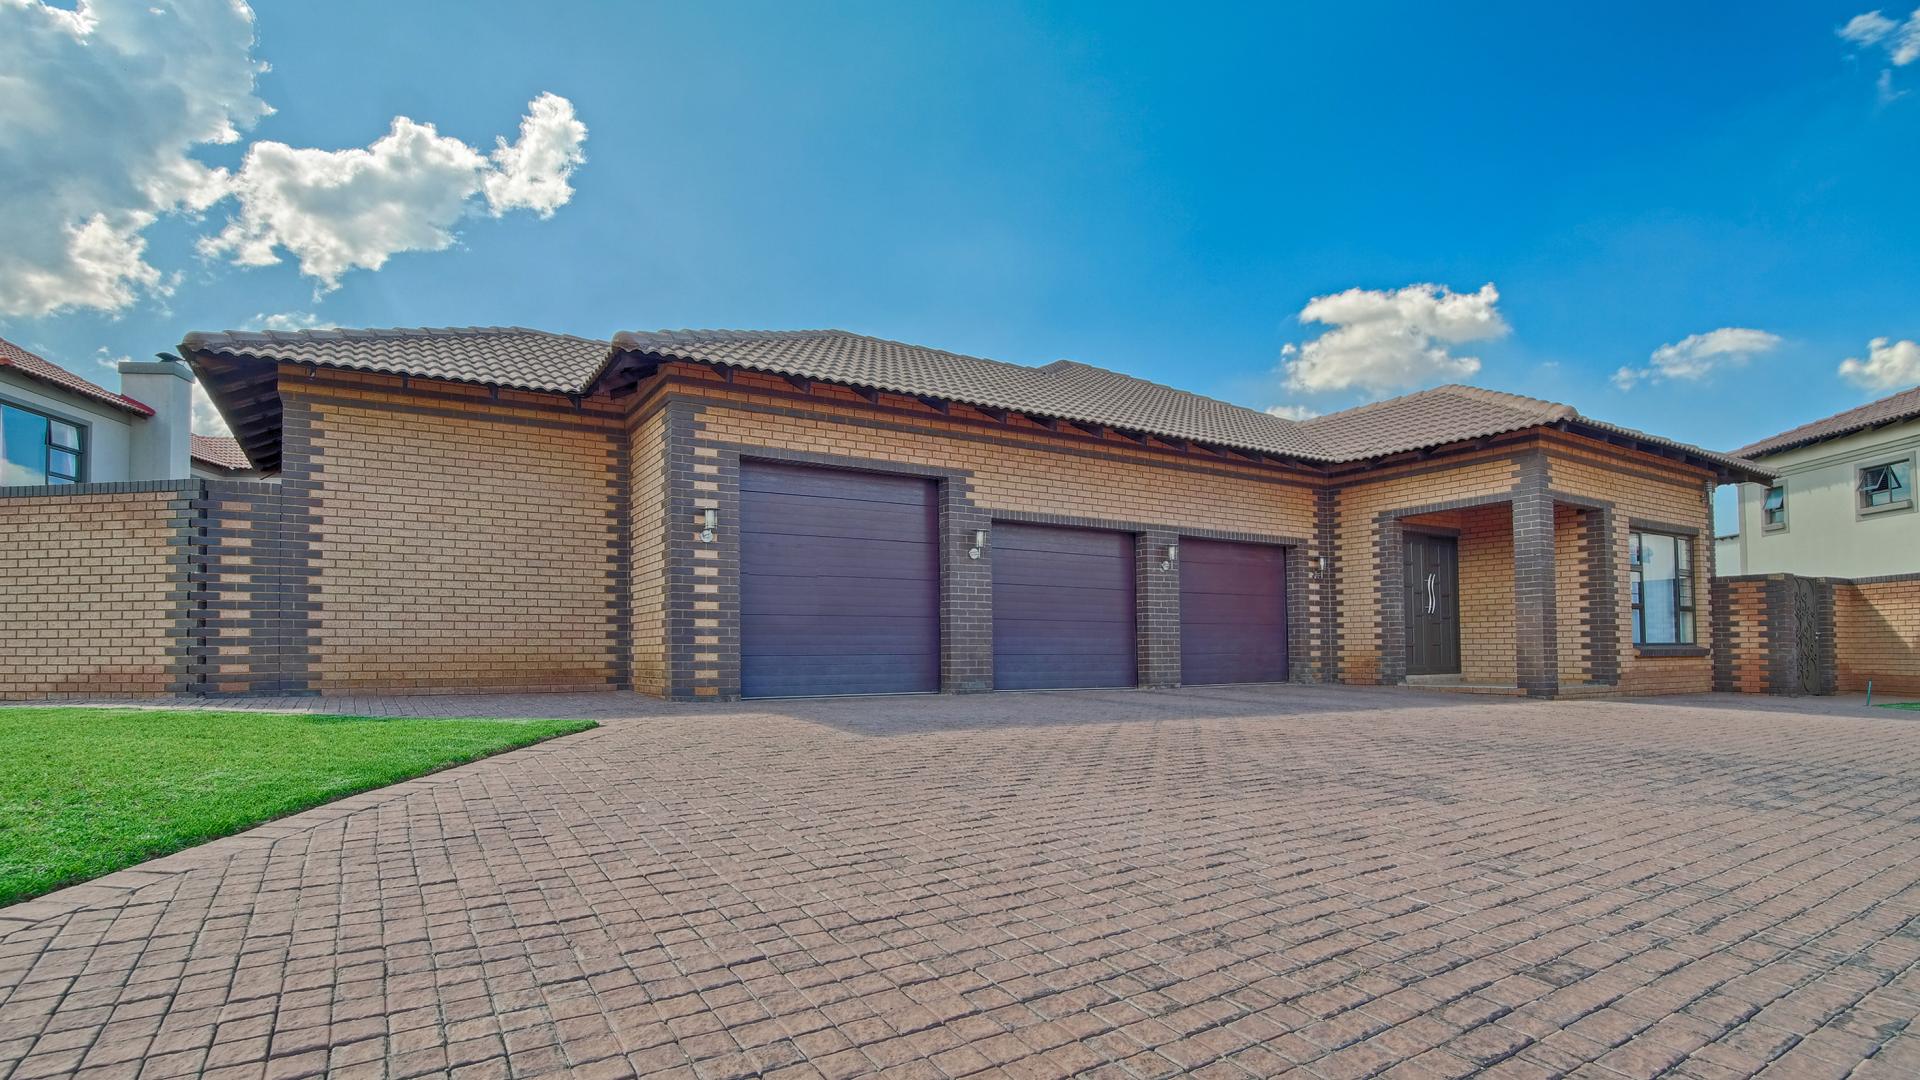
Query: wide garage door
[[1062, 608], [839, 583], [1233, 612]]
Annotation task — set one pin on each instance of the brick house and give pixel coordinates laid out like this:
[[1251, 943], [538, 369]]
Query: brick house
[[715, 514]]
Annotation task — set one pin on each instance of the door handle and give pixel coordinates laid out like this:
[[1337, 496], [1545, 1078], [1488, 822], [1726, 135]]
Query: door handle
[[1432, 602]]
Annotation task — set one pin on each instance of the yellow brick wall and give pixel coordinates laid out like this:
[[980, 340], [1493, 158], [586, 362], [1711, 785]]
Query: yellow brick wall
[[1357, 505], [646, 519], [91, 587], [1022, 469], [461, 544], [1486, 588], [1748, 634], [1877, 636], [1659, 490]]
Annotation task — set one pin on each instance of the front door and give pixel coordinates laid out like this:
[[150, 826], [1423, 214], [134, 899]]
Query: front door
[[1433, 604]]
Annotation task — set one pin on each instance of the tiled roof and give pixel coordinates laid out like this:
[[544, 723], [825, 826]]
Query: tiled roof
[[508, 356], [26, 363], [219, 451], [1064, 390], [1888, 410]]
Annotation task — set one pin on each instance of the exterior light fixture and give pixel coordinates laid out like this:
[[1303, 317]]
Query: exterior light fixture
[[709, 521], [1172, 559], [979, 542]]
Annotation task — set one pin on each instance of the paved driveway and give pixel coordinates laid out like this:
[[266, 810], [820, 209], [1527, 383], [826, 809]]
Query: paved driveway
[[1226, 882]]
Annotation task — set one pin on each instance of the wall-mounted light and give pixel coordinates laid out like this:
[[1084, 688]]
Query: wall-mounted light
[[709, 521], [1172, 559], [979, 542]]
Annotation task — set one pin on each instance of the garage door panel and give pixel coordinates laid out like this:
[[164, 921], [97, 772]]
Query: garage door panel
[[1063, 608], [1047, 601], [839, 583], [829, 596], [799, 515], [812, 676], [1233, 612], [770, 478], [841, 558]]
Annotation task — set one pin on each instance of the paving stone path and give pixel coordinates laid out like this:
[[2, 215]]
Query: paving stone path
[[1250, 881]]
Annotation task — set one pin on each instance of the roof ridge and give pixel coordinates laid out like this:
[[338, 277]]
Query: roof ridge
[[1818, 430]]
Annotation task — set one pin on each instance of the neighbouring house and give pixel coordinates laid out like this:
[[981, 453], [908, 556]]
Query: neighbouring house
[[1824, 593], [718, 514], [57, 428], [1843, 503]]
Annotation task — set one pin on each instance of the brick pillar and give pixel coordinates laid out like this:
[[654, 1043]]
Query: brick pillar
[[966, 593], [1536, 643], [702, 578], [1156, 594], [1390, 577], [1323, 598], [1603, 596]]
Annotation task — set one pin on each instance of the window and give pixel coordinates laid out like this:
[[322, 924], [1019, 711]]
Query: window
[[37, 449], [1887, 486], [1773, 510], [1662, 569]]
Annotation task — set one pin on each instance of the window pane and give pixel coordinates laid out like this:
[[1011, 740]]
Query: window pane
[[1659, 570], [1776, 498], [64, 434], [23, 447], [1901, 486], [64, 464]]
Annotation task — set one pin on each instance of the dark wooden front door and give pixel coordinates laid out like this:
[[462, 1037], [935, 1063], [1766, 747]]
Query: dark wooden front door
[[839, 583], [1433, 604], [1062, 608], [1233, 612]]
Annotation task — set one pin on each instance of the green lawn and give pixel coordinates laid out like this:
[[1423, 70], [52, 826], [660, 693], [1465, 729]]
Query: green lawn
[[87, 791], [1900, 705]]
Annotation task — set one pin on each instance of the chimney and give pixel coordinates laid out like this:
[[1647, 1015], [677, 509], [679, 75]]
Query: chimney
[[159, 448]]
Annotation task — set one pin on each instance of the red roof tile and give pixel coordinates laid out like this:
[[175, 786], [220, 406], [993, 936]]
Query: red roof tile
[[35, 367]]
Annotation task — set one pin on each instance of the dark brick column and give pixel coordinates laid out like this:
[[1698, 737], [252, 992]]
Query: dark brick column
[[703, 579], [1390, 574], [1157, 603], [1322, 597], [1603, 596], [1535, 631], [966, 593]]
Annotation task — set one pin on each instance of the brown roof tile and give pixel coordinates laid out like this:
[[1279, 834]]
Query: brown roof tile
[[508, 356], [1888, 410], [219, 451], [1064, 390], [34, 367]]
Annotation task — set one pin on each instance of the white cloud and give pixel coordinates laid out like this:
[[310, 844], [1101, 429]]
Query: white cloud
[[340, 210], [284, 320], [207, 419], [1900, 40], [1386, 340], [1890, 365], [1867, 29], [106, 103], [103, 106], [532, 173], [1292, 412], [1698, 355]]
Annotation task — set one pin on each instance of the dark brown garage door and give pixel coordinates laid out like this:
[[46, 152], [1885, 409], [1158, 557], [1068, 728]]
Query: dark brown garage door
[[1062, 608], [1233, 612], [839, 583]]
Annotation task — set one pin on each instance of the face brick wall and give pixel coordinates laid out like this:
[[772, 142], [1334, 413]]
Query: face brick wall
[[1573, 550], [1486, 587], [1743, 633], [1654, 490], [1876, 624], [94, 592], [646, 526], [460, 544]]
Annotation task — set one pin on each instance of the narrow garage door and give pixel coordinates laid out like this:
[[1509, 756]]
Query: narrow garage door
[[1062, 608], [839, 583], [1233, 612]]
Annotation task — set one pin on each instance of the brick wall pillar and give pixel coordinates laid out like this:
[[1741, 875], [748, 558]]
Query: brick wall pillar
[[1390, 573], [1536, 642], [966, 593], [1157, 599]]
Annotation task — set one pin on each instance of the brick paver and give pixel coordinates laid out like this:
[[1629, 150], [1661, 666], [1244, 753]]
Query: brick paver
[[1222, 881]]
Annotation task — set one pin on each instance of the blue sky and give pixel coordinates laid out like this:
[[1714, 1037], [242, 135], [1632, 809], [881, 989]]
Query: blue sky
[[1152, 189]]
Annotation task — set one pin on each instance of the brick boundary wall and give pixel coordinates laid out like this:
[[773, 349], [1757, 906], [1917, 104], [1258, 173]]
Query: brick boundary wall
[[1770, 630], [152, 588]]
